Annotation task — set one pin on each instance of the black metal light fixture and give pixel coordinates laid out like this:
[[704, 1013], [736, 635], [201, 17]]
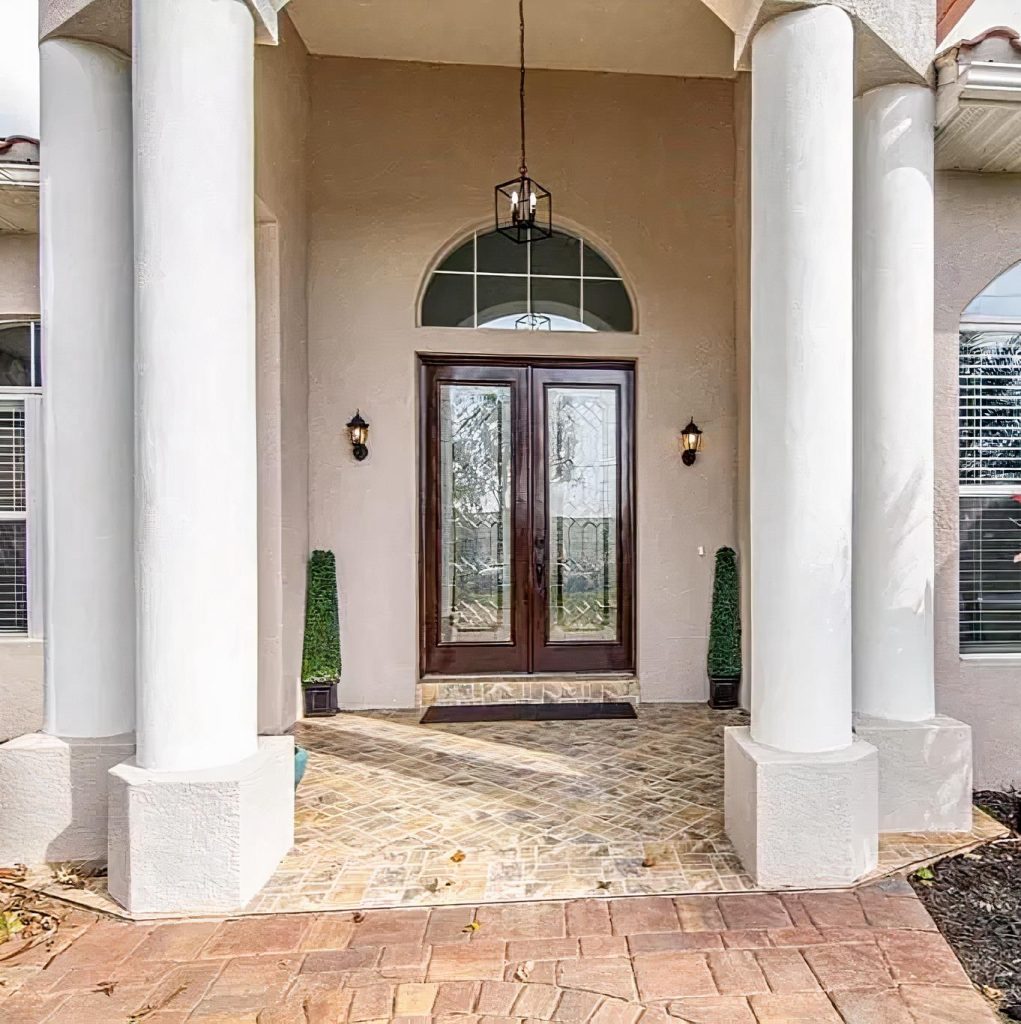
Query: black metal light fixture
[[691, 443], [358, 430], [533, 322], [524, 209]]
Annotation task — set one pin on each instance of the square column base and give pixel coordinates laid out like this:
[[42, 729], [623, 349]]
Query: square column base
[[924, 773], [801, 820], [202, 841], [53, 797]]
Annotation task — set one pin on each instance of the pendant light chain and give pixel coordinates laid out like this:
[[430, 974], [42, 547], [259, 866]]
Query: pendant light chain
[[524, 209], [521, 19]]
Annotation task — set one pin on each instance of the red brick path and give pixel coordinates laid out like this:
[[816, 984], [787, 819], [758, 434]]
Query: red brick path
[[871, 957]]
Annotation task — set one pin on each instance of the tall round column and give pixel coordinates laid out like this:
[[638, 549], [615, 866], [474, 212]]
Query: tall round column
[[894, 548], [88, 412], [925, 776], [54, 791], [202, 816], [196, 498], [801, 442]]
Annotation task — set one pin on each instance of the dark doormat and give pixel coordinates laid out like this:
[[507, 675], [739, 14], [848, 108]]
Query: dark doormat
[[526, 713]]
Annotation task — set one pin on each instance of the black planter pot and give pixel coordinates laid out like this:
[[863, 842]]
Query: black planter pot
[[724, 692], [320, 699]]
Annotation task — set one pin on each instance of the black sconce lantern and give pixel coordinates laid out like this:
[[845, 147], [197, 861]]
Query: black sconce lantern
[[691, 443], [359, 431]]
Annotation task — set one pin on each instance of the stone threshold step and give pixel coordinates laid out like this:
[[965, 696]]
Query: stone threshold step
[[534, 689]]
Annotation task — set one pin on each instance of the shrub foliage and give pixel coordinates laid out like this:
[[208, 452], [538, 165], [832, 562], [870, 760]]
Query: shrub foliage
[[725, 626], [320, 660]]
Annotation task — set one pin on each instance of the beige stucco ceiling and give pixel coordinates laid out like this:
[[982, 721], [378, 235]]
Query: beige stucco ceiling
[[653, 37]]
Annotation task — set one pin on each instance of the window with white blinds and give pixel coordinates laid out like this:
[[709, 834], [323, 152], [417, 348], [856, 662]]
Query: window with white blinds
[[13, 520], [990, 488], [20, 478]]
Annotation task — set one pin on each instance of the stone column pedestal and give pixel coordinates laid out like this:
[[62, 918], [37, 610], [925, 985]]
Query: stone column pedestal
[[204, 840], [53, 797], [801, 820], [924, 773]]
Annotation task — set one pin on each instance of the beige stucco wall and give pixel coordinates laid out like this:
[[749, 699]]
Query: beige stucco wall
[[402, 162], [19, 275], [282, 104], [21, 660], [978, 236]]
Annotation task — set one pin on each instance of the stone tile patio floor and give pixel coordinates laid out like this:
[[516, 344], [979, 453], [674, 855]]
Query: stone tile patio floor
[[554, 810], [871, 956]]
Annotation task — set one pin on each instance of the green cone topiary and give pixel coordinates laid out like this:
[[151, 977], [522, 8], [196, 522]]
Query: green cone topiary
[[320, 660], [725, 626]]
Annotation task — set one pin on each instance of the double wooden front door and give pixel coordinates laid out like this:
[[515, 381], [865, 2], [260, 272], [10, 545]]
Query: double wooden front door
[[527, 516]]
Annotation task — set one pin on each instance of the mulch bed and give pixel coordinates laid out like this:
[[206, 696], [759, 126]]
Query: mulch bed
[[975, 899]]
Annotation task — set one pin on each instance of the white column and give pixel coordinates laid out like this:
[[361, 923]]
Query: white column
[[802, 125], [87, 311], [894, 565], [203, 816], [53, 785], [925, 761], [800, 800], [195, 384]]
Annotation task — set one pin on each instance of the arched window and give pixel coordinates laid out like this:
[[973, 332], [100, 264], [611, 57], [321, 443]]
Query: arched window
[[990, 469], [559, 284]]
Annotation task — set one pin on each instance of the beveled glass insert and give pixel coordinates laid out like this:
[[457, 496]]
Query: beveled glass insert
[[582, 511], [475, 513]]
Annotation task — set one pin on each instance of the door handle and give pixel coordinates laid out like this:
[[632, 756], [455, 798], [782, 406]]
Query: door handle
[[540, 561]]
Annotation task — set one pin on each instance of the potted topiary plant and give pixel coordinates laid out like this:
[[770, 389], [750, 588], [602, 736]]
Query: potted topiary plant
[[320, 660], [724, 661]]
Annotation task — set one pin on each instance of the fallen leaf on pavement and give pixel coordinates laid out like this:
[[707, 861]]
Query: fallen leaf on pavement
[[150, 1008], [524, 971]]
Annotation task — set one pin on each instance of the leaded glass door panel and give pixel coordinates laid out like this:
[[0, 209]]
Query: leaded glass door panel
[[527, 534], [474, 544], [582, 520]]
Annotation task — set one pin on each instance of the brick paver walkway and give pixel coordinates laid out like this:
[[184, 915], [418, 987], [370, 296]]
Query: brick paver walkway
[[870, 957]]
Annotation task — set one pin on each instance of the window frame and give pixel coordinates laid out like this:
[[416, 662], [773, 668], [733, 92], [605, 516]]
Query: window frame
[[30, 398], [970, 489], [527, 277]]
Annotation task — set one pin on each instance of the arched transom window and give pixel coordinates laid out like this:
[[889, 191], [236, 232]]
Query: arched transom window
[[990, 470], [558, 284]]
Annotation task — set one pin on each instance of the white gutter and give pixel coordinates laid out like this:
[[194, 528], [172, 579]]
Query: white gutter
[[989, 83]]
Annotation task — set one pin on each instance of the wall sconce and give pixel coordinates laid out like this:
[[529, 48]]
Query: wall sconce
[[359, 431], [691, 443]]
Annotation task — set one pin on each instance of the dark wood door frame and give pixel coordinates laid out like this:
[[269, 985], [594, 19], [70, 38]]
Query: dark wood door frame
[[529, 650]]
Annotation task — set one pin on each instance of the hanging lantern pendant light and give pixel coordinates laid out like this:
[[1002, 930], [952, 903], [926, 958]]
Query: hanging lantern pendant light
[[524, 209]]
